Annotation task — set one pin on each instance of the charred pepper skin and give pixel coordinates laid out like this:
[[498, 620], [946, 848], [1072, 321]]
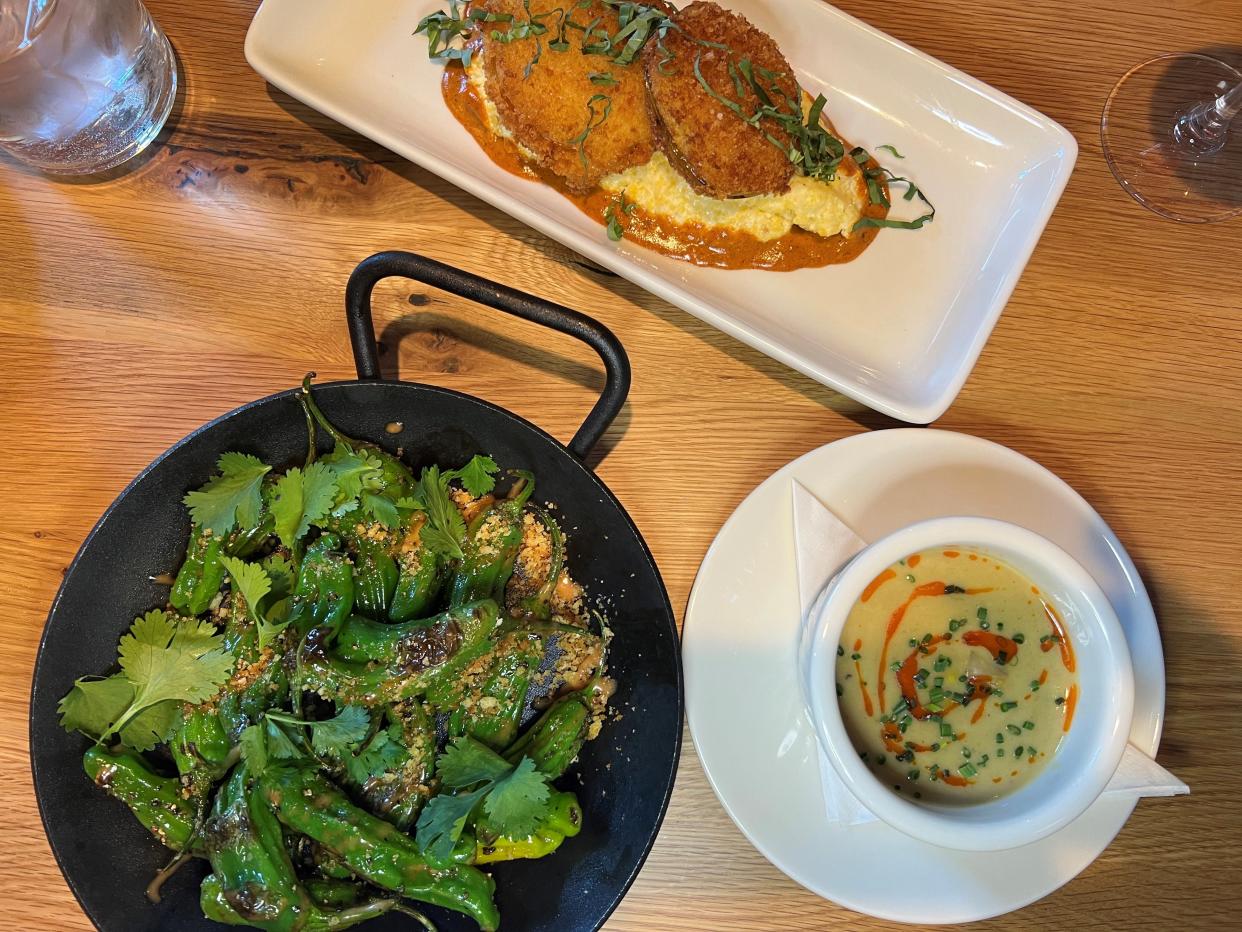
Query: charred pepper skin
[[375, 850], [361, 639], [156, 801], [201, 574], [425, 661]]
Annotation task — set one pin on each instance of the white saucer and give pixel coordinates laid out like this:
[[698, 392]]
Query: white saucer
[[745, 708]]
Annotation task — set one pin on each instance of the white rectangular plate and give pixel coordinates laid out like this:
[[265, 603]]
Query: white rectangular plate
[[899, 328]]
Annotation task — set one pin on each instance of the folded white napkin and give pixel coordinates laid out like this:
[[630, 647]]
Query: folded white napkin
[[823, 545]]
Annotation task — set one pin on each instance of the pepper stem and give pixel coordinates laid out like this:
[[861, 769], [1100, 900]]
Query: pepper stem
[[309, 401]]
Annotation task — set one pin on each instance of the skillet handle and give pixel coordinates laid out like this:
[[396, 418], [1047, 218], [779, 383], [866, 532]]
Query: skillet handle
[[371, 271]]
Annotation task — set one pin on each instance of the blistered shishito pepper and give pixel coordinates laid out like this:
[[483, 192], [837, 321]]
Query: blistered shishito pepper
[[253, 882], [555, 739], [426, 660], [363, 639], [395, 793], [491, 548], [375, 576], [324, 594], [375, 850], [200, 749], [422, 578], [155, 800], [201, 575], [538, 606], [396, 478], [564, 820], [496, 711]]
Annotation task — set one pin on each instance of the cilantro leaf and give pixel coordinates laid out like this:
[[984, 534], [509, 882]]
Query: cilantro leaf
[[283, 576], [231, 498], [518, 803], [381, 755], [254, 584], [164, 660], [515, 798], [302, 498], [253, 746], [279, 745], [442, 820], [348, 728], [445, 530], [94, 704], [381, 508], [466, 762], [337, 736], [478, 477], [354, 472]]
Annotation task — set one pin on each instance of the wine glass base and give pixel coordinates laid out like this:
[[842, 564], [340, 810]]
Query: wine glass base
[[1136, 131]]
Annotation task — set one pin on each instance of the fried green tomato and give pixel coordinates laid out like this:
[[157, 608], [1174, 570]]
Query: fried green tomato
[[701, 132], [582, 116]]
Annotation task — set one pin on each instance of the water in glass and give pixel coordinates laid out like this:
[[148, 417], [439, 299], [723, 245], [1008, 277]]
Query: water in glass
[[84, 84]]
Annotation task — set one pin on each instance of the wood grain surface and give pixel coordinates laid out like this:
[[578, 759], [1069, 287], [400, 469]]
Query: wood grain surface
[[137, 307]]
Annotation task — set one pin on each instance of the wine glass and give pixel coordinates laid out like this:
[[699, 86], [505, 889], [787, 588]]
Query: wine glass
[[1166, 136]]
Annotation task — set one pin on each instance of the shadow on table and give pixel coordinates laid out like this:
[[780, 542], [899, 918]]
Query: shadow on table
[[1178, 87], [432, 325], [753, 359]]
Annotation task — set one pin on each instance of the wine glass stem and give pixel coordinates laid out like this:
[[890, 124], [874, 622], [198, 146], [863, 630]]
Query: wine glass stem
[[1203, 129]]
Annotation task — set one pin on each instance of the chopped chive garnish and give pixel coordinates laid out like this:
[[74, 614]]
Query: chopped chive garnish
[[982, 614], [945, 729], [967, 770], [895, 666], [840, 651], [935, 745], [955, 623], [983, 761], [941, 664], [1017, 752], [938, 681], [1002, 657], [1029, 726], [1000, 626], [1000, 752], [1019, 638], [962, 678], [934, 707], [1014, 729], [1060, 700], [913, 642], [1006, 706], [984, 625], [855, 656], [927, 638], [1000, 738], [966, 753], [909, 577], [912, 774]]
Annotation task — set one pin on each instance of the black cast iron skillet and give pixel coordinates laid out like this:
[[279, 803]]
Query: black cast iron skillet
[[623, 779]]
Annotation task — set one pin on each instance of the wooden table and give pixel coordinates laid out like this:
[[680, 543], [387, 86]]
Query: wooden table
[[134, 309]]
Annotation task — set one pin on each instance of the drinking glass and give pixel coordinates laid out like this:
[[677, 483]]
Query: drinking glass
[[1166, 136], [84, 84]]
